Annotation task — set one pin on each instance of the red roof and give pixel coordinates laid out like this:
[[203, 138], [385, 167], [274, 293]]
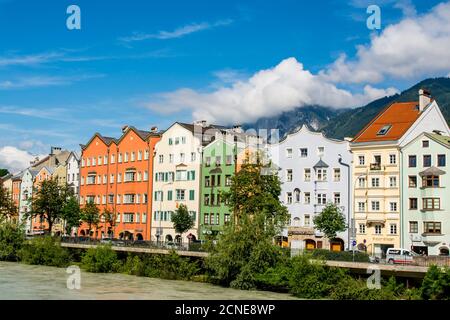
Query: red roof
[[397, 118]]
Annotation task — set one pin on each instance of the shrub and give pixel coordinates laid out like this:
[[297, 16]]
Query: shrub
[[45, 251], [11, 240], [102, 259], [340, 255], [134, 266], [436, 284]]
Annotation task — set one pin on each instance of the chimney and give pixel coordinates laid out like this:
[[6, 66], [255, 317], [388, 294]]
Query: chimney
[[202, 123], [237, 128], [424, 99], [55, 150], [154, 129], [124, 128]]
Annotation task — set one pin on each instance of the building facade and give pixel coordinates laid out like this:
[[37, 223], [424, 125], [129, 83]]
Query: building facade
[[115, 174], [312, 172], [425, 194], [73, 173], [377, 166], [26, 192]]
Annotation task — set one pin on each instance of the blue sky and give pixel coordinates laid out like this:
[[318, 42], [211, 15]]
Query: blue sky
[[149, 63]]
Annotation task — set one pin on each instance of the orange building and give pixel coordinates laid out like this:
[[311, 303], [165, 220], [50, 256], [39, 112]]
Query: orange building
[[115, 174]]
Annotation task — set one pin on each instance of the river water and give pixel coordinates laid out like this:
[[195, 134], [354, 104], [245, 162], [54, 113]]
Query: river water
[[20, 281]]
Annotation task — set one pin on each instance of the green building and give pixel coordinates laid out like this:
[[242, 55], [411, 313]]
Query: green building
[[425, 195], [218, 168]]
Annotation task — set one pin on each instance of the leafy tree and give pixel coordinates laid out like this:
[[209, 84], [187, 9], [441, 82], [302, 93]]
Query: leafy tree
[[8, 208], [71, 214], [3, 172], [49, 201], [182, 220], [110, 218], [436, 284], [246, 246], [330, 221], [91, 215], [12, 238]]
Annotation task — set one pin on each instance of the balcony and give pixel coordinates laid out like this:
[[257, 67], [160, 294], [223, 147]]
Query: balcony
[[375, 166]]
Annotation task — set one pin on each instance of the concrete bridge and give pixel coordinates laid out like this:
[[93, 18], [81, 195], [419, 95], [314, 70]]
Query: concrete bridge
[[406, 271]]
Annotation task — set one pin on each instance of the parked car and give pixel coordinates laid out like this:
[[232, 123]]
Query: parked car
[[400, 256], [172, 245]]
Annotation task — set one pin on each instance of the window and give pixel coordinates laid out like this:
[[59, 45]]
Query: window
[[361, 182], [144, 218], [129, 198], [218, 161], [375, 182], [413, 203], [145, 175], [289, 153], [125, 157], [297, 195], [307, 197], [228, 180], [207, 181], [90, 179], [430, 181], [206, 200], [161, 158], [138, 198], [377, 159], [119, 158], [113, 158], [321, 198], [191, 175], [206, 219], [140, 159], [93, 161], [337, 198], [432, 227], [118, 198], [169, 195], [361, 206], [207, 161], [182, 157], [118, 218], [441, 160], [211, 219], [303, 152], [425, 144], [90, 199], [130, 176], [393, 228], [170, 141], [289, 197], [177, 140], [393, 206], [119, 178], [337, 174], [375, 205], [180, 193], [362, 228], [427, 160], [392, 182], [227, 218], [412, 161], [144, 198], [229, 160], [362, 160], [128, 217], [412, 181], [384, 130], [413, 227], [183, 140], [378, 229], [99, 161], [146, 155], [321, 174], [431, 203], [133, 156], [289, 175], [307, 220], [181, 175], [320, 151], [307, 174], [191, 195], [138, 215], [193, 157], [392, 159], [105, 179]]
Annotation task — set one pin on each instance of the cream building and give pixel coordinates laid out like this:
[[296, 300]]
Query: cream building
[[377, 168]]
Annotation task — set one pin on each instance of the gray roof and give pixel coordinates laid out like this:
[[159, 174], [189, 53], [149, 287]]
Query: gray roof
[[432, 171], [321, 164]]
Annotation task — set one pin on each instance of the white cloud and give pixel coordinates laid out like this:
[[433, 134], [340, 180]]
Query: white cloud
[[44, 81], [178, 32], [413, 48], [15, 159], [268, 92]]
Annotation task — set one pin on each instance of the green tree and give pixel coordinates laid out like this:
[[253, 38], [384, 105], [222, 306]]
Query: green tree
[[49, 201], [3, 172], [182, 220], [12, 237], [8, 208], [110, 219], [91, 215], [71, 214], [330, 221], [436, 284], [246, 246]]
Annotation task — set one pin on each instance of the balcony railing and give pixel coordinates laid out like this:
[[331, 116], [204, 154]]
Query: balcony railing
[[375, 166]]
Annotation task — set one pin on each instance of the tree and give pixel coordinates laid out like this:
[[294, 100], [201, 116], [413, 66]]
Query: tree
[[330, 221], [90, 215], [182, 220], [246, 246], [3, 172], [110, 218], [49, 201], [71, 214], [8, 208]]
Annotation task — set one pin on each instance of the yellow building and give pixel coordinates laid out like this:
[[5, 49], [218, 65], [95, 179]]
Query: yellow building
[[376, 169]]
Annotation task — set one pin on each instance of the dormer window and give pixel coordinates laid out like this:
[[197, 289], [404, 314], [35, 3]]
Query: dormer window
[[383, 131]]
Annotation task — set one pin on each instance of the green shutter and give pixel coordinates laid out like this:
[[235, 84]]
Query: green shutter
[[191, 195], [169, 195]]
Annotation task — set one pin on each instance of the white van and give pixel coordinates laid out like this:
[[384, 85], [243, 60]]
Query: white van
[[400, 256]]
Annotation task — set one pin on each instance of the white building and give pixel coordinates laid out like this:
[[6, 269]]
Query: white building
[[176, 176], [314, 170], [26, 192], [73, 172]]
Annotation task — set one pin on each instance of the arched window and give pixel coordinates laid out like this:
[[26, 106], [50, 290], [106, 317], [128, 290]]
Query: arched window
[[296, 222], [297, 195]]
